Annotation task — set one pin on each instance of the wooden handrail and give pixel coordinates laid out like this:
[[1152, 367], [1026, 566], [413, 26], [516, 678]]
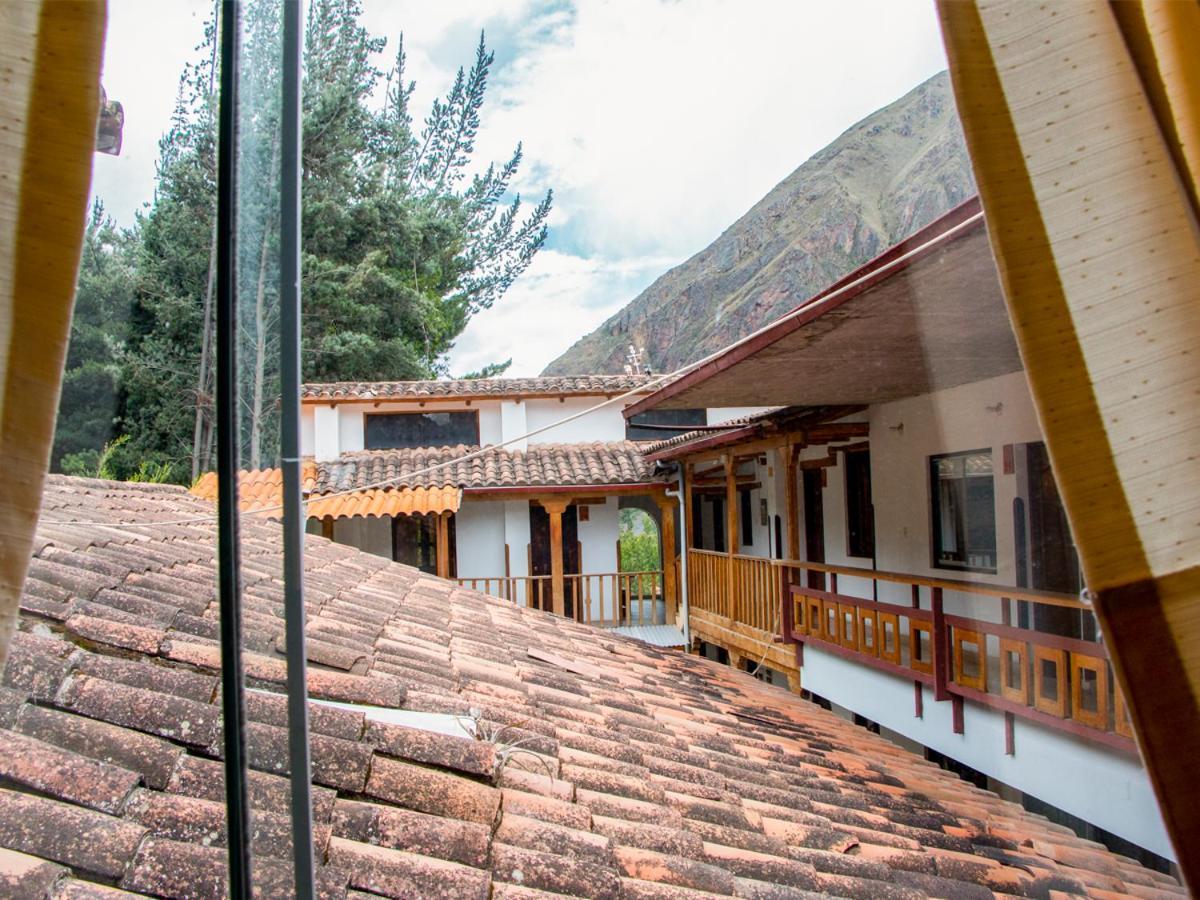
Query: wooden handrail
[[1009, 592], [607, 599]]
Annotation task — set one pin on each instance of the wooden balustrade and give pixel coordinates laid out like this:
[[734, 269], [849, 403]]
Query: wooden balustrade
[[605, 599], [1063, 682]]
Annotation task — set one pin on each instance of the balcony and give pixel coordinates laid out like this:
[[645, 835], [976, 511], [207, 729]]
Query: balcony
[[957, 638], [638, 604]]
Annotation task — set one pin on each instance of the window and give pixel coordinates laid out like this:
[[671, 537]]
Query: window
[[391, 431], [964, 511], [662, 424], [860, 513]]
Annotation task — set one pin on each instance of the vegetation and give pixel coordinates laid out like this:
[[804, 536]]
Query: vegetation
[[404, 240], [638, 537]]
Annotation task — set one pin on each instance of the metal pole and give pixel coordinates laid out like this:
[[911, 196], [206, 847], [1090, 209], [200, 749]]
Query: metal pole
[[289, 442], [233, 703]]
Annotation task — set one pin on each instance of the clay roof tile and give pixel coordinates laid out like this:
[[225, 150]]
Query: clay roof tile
[[604, 767]]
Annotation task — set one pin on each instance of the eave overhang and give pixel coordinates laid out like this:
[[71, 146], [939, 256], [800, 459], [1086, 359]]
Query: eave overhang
[[925, 315]]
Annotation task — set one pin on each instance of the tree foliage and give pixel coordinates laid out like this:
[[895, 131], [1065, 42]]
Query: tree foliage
[[88, 408], [404, 239], [638, 541]]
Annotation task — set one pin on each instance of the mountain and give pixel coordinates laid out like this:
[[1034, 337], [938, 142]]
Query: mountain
[[892, 173]]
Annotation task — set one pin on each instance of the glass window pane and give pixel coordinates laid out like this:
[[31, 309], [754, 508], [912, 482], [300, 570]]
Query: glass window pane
[[439, 429]]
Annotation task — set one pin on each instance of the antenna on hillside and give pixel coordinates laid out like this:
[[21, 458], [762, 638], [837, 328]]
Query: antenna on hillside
[[633, 361]]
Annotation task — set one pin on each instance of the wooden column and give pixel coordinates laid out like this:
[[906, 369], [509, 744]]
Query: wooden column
[[666, 506], [443, 545], [791, 472], [731, 531], [689, 539], [556, 508]]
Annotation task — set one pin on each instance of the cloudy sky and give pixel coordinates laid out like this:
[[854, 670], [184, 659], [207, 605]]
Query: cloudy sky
[[656, 122]]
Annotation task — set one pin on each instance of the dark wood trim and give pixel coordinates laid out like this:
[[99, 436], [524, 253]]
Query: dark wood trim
[[994, 701], [1164, 711], [1044, 638], [922, 616], [456, 398], [524, 492], [875, 663]]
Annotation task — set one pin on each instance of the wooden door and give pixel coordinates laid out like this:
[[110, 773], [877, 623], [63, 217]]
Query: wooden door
[[814, 526], [541, 596]]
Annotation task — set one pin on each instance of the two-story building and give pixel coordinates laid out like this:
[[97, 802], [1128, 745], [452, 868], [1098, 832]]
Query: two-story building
[[889, 538], [513, 486]]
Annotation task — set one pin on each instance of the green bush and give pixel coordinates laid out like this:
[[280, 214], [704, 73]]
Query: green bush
[[639, 542]]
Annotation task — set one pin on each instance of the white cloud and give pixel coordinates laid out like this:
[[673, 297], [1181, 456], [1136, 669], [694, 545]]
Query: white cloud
[[657, 123], [560, 298]]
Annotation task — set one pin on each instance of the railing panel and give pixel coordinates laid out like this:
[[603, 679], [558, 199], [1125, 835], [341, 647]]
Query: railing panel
[[606, 599], [1058, 681]]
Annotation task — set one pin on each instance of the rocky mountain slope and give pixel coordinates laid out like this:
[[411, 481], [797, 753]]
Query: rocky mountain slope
[[890, 174]]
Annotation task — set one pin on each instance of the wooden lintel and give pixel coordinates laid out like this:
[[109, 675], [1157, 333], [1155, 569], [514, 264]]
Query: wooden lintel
[[714, 488], [823, 463], [575, 494]]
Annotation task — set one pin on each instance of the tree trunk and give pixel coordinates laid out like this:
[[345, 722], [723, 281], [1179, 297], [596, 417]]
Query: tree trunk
[[202, 429], [260, 355], [260, 328], [200, 446]]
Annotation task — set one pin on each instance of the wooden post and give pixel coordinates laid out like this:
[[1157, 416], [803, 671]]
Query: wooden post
[[666, 506], [792, 499], [731, 530], [327, 527], [555, 508], [443, 545], [689, 539], [940, 645]]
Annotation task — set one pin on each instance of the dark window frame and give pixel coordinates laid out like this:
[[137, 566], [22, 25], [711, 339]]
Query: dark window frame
[[963, 526], [663, 424], [860, 511], [746, 516], [426, 415]]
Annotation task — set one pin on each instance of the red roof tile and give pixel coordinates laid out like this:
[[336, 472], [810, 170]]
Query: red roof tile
[[544, 386], [541, 465], [601, 767]]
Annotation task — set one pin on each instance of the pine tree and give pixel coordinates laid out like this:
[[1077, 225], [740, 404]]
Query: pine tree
[[88, 408], [401, 244]]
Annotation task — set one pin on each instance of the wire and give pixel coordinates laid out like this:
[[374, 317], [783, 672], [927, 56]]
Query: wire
[[654, 382]]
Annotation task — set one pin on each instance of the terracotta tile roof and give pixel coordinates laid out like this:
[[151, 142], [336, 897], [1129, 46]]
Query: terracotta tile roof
[[689, 436], [257, 488], [602, 768], [262, 489], [542, 465], [548, 385]]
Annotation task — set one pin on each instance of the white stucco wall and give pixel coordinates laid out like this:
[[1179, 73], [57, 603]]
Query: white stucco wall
[[307, 431], [328, 431], [325, 432], [761, 545], [957, 420], [516, 533], [1104, 787], [479, 530], [605, 424], [599, 536], [1054, 767], [512, 424]]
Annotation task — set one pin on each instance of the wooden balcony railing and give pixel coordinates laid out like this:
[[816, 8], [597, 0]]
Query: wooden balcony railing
[[1062, 682], [605, 599]]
